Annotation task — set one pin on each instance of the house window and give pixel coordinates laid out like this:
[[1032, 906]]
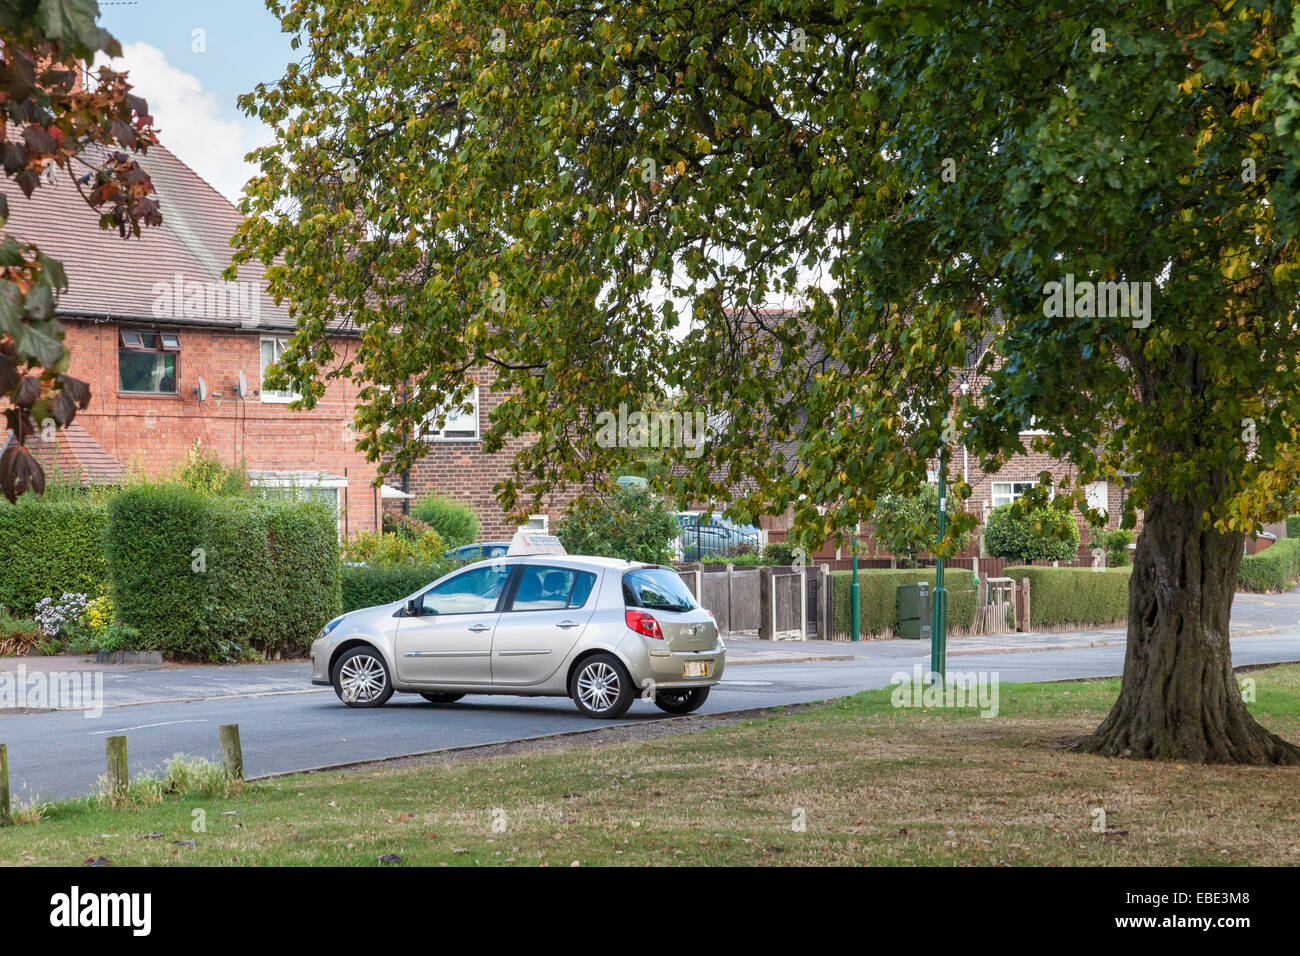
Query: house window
[[1032, 427], [459, 425], [146, 361], [1098, 495], [536, 523], [1005, 492], [272, 351], [301, 486]]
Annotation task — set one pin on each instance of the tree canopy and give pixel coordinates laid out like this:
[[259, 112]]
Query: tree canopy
[[551, 188], [57, 115]]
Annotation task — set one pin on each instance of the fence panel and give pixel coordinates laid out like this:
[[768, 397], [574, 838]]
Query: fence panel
[[744, 601]]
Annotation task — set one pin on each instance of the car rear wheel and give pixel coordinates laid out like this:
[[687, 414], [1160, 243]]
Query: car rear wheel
[[361, 678], [442, 698], [681, 700], [601, 687]]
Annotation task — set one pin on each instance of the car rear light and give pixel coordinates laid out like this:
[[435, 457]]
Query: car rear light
[[643, 623]]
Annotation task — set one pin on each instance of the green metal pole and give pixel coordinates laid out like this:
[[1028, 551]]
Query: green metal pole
[[855, 614], [939, 604]]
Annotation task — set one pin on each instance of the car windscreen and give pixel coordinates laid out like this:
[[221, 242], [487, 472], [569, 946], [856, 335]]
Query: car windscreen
[[657, 589]]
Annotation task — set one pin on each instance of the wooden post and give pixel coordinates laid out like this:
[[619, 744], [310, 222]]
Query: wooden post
[[6, 817], [731, 593], [118, 775], [826, 622], [232, 756], [1024, 584], [766, 604], [803, 604]]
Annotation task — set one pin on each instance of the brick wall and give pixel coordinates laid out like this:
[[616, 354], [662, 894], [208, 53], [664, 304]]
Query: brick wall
[[459, 469], [154, 432]]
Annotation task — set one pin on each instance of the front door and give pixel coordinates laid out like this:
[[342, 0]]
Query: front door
[[451, 641], [549, 612]]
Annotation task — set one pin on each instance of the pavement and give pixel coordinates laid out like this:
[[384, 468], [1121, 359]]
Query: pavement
[[287, 725]]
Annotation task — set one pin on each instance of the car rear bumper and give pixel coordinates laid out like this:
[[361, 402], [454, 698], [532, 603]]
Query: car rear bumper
[[665, 668]]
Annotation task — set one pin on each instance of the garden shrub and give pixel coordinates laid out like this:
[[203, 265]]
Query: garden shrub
[[414, 547], [1274, 569], [370, 586], [215, 577], [455, 523], [1116, 544], [631, 524], [1045, 534], [48, 548], [778, 553], [878, 597], [1085, 596]]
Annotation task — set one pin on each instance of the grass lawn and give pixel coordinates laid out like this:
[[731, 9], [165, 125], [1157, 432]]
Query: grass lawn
[[872, 785]]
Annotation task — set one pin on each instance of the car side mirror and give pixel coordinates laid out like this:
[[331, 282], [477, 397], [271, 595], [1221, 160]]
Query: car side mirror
[[413, 607]]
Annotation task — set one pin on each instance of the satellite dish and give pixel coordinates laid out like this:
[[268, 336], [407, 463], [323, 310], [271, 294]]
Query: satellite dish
[[201, 390], [242, 388]]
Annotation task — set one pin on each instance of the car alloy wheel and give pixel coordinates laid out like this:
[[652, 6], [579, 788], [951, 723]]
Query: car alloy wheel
[[601, 688], [361, 678]]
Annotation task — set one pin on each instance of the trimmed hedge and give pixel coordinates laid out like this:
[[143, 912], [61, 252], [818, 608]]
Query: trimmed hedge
[[371, 586], [49, 547], [209, 577], [1274, 569], [1293, 526], [878, 597], [1074, 595]]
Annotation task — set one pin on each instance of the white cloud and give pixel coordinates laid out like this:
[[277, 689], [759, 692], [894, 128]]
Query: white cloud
[[190, 121]]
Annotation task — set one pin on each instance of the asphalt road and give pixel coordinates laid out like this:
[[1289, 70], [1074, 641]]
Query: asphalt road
[[285, 726]]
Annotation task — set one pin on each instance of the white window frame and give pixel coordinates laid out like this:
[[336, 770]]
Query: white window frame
[[1098, 489], [1007, 490], [457, 421], [320, 480], [531, 525], [272, 396], [1031, 428]]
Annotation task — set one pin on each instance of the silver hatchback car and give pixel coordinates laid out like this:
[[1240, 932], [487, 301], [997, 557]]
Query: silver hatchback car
[[601, 631]]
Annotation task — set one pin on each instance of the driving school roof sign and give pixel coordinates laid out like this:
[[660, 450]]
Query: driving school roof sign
[[534, 542]]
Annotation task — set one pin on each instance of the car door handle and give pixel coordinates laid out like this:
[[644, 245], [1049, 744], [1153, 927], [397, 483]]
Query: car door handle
[[568, 624], [480, 628]]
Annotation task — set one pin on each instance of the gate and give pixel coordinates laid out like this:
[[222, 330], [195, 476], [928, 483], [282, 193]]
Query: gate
[[814, 614], [1000, 603]]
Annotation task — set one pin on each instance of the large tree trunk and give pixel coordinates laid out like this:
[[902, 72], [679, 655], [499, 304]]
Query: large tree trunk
[[1179, 699]]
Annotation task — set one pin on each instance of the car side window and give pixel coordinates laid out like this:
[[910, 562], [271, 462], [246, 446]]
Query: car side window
[[543, 589], [582, 589], [473, 592]]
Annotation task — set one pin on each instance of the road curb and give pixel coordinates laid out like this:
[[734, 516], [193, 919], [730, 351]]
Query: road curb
[[796, 660]]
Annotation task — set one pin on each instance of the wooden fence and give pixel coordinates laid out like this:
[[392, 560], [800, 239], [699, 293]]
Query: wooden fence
[[795, 604], [772, 603]]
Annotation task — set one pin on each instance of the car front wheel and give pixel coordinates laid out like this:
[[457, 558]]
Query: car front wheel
[[361, 678], [681, 700], [601, 687]]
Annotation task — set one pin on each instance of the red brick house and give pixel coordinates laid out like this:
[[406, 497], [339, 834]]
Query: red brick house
[[163, 342]]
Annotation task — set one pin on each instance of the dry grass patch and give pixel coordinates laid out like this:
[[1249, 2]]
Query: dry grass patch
[[857, 782]]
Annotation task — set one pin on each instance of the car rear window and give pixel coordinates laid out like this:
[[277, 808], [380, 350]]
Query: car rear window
[[659, 588]]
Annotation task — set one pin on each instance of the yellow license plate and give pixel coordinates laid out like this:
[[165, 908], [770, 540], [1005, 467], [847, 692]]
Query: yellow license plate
[[695, 669]]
